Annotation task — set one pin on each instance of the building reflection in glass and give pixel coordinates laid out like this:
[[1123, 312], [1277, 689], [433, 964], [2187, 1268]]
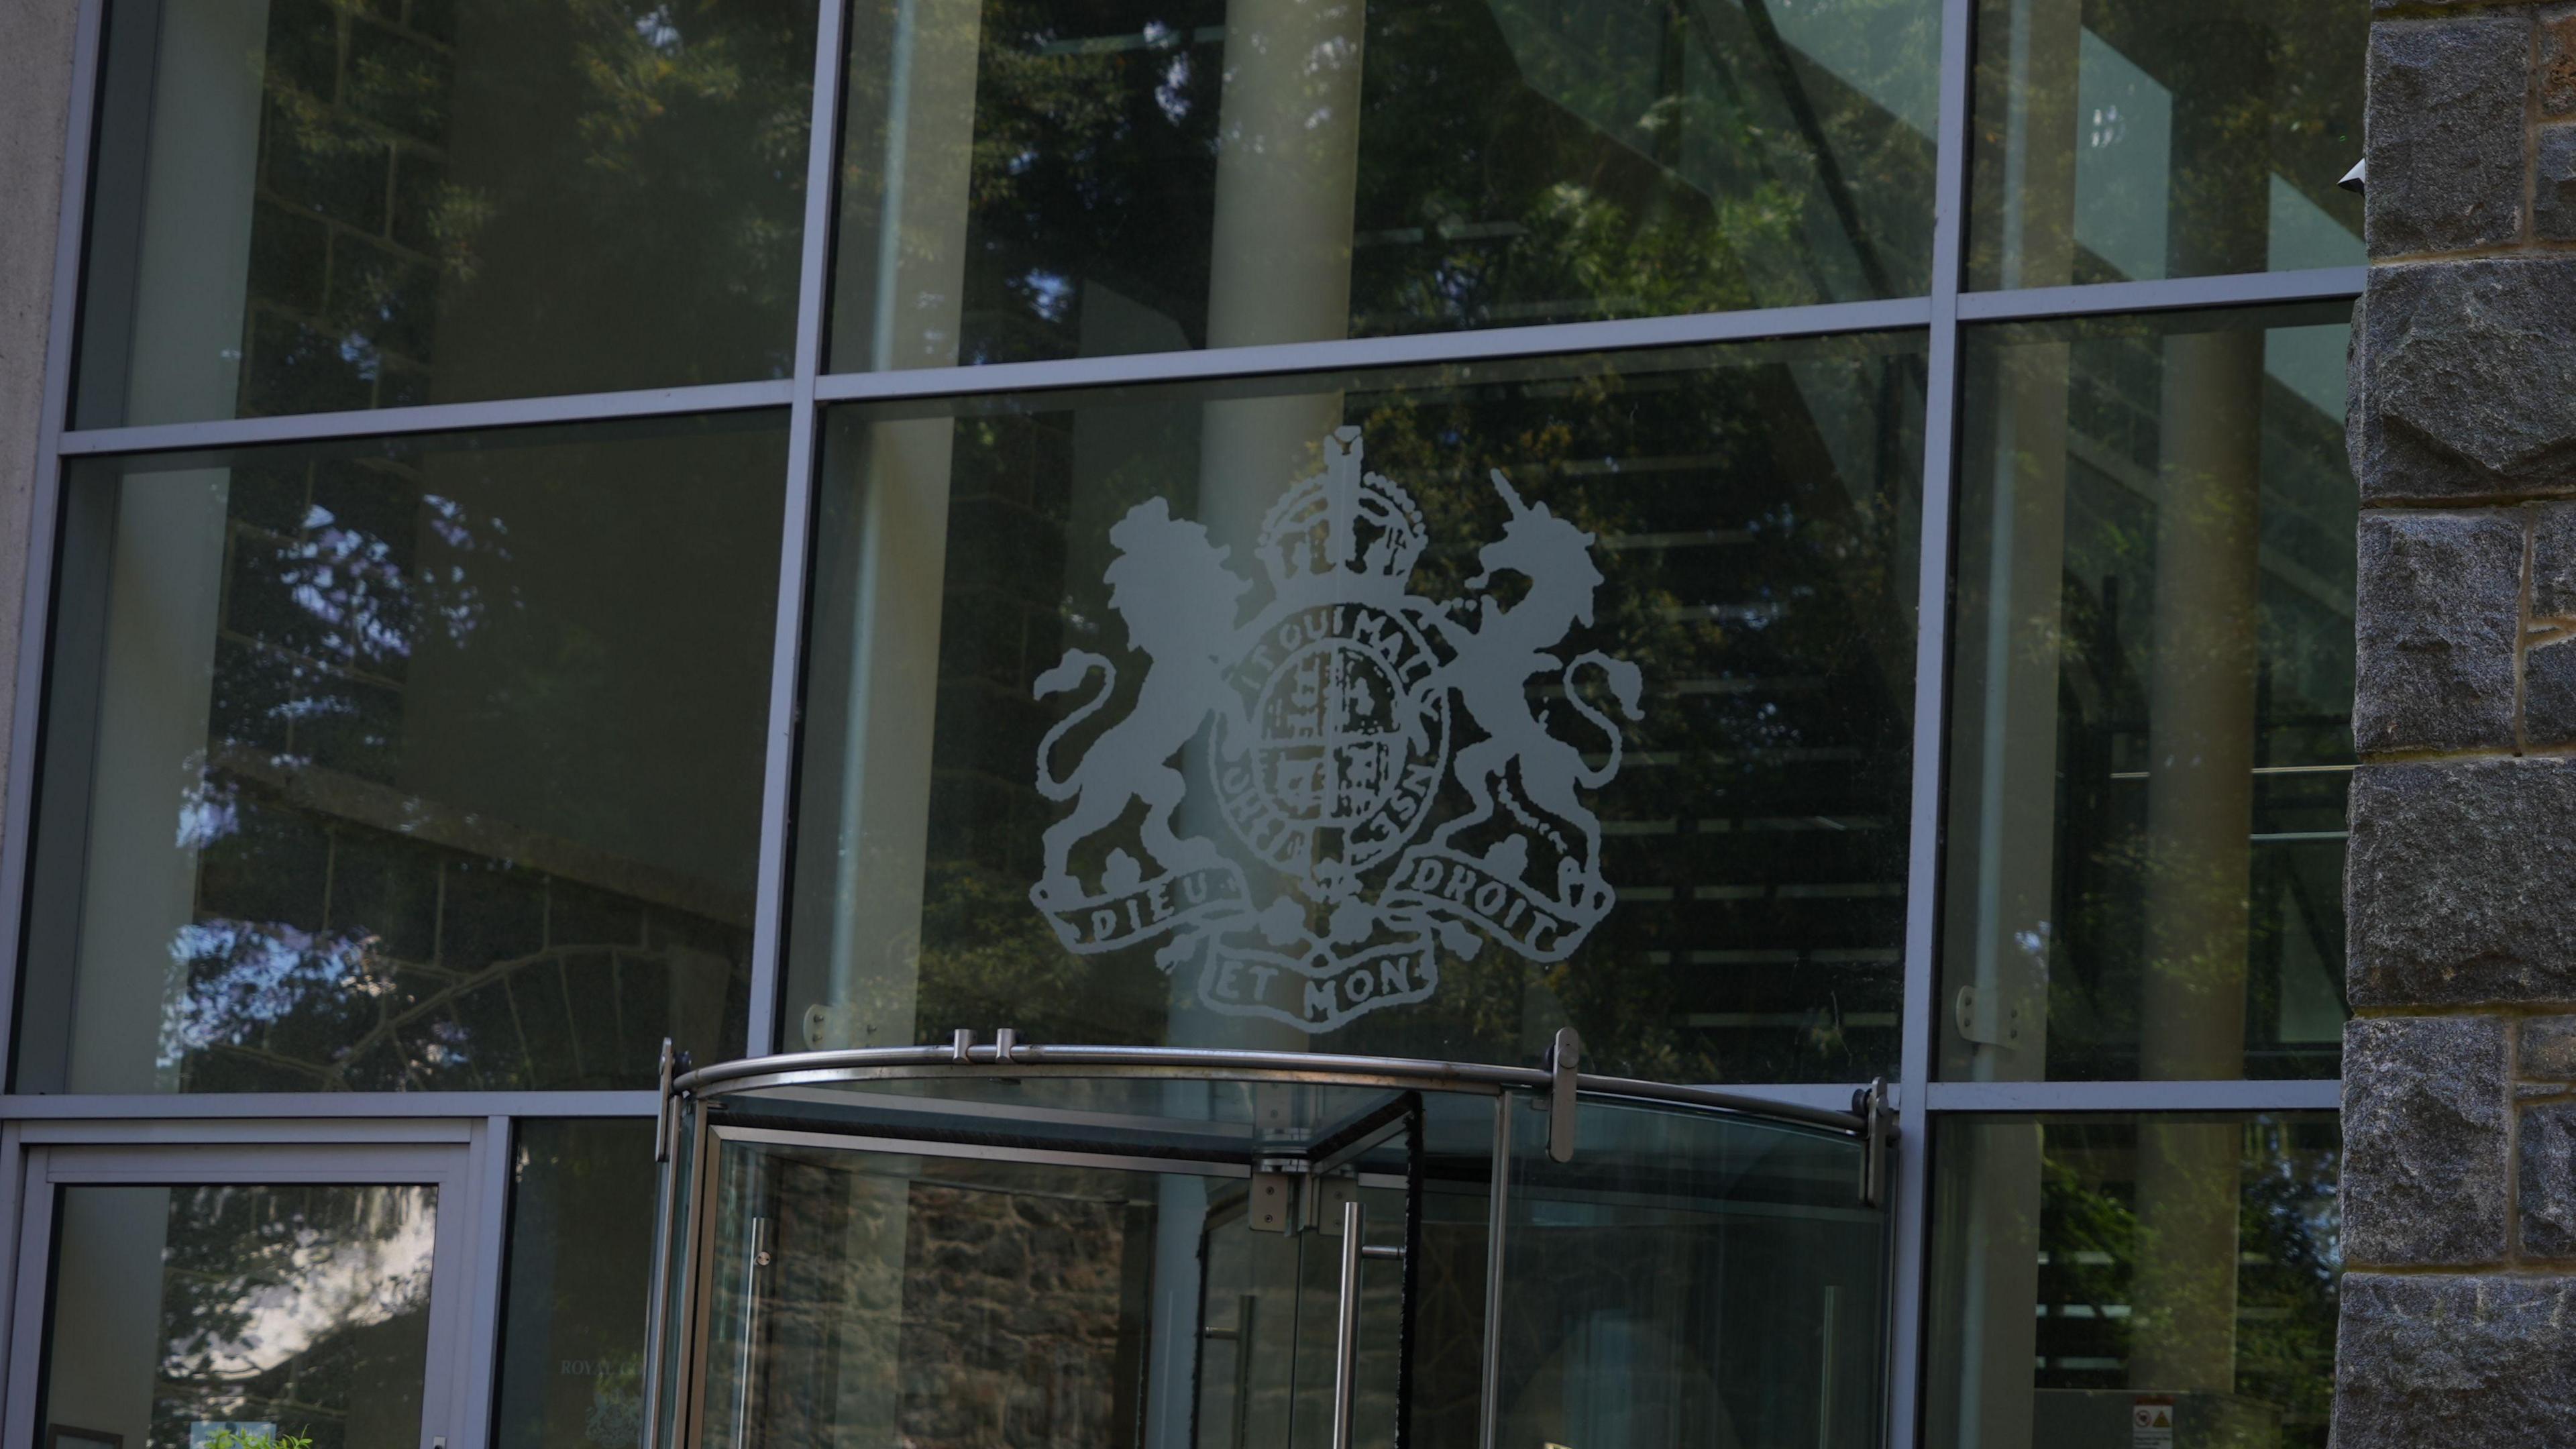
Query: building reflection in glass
[[2151, 729]]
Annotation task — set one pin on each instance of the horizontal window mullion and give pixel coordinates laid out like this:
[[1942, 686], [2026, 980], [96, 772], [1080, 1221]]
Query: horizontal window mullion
[[436, 418], [302, 1105], [2307, 1095], [1295, 359], [2175, 294]]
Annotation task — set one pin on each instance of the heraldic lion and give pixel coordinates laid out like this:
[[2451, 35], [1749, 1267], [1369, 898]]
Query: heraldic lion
[[1170, 586]]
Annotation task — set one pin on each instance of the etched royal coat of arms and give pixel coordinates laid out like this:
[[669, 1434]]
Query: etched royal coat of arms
[[1379, 785]]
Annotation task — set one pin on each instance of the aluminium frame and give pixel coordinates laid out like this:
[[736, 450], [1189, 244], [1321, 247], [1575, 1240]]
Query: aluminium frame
[[1917, 1097]]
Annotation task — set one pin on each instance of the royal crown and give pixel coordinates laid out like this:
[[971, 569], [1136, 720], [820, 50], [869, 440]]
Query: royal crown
[[1343, 521]]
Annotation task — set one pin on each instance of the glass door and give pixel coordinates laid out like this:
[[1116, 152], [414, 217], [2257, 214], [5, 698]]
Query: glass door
[[1083, 1277], [281, 1292]]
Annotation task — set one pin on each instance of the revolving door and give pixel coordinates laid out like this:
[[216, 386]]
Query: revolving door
[[1103, 1248]]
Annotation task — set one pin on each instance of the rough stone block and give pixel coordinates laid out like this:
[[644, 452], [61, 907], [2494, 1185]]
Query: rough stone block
[[2547, 1052], [2458, 883], [2425, 1141], [2553, 561], [2470, 379], [2549, 693], [2553, 199], [2557, 61], [2438, 602], [2455, 1362], [2444, 129], [2547, 1146]]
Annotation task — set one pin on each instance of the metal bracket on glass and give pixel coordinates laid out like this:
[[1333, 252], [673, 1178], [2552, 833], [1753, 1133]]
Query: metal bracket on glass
[[961, 1044], [1282, 1195], [1564, 1058], [1986, 1017], [1005, 1042], [1878, 1139]]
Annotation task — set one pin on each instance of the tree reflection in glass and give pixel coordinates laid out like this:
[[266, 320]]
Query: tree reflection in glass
[[2089, 1270], [1040, 180], [408, 765], [277, 1309], [310, 206]]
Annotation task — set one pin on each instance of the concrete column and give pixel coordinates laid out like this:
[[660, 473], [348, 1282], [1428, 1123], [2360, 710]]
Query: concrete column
[[2007, 661], [106, 1343], [898, 531], [2201, 732]]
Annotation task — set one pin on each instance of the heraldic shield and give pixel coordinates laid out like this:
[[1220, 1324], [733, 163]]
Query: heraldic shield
[[1378, 785]]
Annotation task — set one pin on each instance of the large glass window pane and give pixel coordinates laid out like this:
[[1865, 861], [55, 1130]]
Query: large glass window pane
[[2152, 700], [2128, 140], [574, 1304], [1040, 180], [1421, 713], [2110, 1282], [310, 205], [181, 1311], [424, 763]]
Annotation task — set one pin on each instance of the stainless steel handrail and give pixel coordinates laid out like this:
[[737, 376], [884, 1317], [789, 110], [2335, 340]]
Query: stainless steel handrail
[[965, 1058]]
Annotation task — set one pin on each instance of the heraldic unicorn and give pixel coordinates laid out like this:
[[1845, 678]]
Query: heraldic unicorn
[[1331, 839]]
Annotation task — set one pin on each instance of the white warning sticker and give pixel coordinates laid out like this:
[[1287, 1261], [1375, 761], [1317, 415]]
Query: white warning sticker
[[2151, 1423]]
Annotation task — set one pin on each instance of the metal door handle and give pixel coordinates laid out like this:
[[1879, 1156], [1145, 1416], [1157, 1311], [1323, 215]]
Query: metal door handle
[[1346, 1329]]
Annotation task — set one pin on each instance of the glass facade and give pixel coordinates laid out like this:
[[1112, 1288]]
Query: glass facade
[[415, 764], [2093, 1269], [1805, 542], [306, 206], [2152, 649], [2131, 140], [1025, 181], [1750, 513]]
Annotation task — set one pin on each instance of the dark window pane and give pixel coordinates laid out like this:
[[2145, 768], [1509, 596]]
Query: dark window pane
[[2151, 725], [308, 206], [2088, 1270], [415, 764], [1413, 713], [180, 1311], [2126, 140], [1038, 180], [572, 1323]]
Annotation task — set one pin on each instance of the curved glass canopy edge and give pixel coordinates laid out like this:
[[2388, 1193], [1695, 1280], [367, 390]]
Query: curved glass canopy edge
[[1007, 1058]]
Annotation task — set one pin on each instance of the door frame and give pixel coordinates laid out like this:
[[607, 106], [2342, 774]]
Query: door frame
[[466, 1160]]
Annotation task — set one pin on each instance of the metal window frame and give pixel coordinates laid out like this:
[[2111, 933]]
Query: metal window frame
[[27, 1121], [464, 1306]]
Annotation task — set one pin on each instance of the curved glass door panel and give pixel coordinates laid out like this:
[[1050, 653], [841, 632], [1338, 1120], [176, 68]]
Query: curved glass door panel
[[967, 1260], [1689, 1279], [965, 1284]]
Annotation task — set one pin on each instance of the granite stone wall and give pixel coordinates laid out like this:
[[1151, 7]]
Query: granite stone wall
[[2459, 1187]]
